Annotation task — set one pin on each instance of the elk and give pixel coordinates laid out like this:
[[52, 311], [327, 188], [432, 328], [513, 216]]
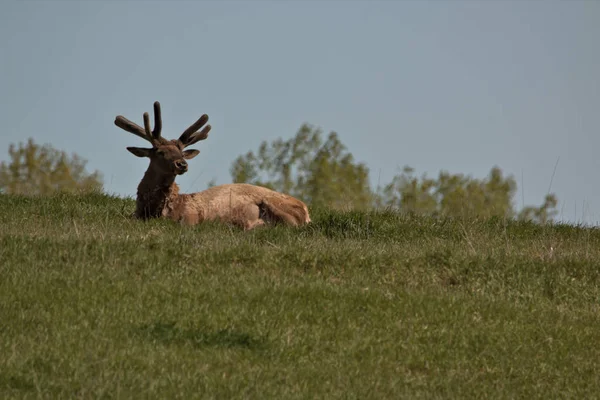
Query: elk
[[244, 205]]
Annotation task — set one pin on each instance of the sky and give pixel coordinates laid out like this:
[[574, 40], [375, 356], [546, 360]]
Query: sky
[[459, 86]]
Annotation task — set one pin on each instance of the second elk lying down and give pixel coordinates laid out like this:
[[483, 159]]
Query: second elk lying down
[[241, 204]]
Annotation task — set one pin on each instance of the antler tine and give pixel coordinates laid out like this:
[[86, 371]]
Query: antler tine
[[187, 134], [157, 121], [147, 125], [131, 127], [198, 136]]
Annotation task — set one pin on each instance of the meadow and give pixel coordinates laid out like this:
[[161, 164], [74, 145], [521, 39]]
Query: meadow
[[357, 305]]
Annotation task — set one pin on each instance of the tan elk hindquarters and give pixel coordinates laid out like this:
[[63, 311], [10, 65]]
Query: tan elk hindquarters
[[240, 204]]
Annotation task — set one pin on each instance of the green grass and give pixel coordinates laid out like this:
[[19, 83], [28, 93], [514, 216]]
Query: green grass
[[94, 304]]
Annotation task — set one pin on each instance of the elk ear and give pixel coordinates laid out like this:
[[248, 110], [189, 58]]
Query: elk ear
[[189, 154], [140, 151]]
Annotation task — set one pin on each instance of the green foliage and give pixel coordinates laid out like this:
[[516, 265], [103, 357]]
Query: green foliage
[[453, 195], [324, 174], [41, 170], [410, 194], [320, 172], [542, 214], [367, 305], [460, 196]]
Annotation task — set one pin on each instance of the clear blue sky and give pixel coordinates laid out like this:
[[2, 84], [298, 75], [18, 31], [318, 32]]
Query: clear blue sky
[[458, 86]]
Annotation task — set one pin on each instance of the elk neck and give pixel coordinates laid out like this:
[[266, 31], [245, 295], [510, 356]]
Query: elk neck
[[157, 193]]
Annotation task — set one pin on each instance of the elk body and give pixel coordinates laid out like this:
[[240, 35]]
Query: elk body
[[244, 205]]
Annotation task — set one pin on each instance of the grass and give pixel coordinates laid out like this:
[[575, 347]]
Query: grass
[[94, 304]]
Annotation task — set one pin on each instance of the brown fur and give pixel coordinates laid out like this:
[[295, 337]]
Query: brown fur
[[244, 205], [240, 204]]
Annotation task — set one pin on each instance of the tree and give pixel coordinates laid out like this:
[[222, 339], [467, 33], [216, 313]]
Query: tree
[[41, 170], [408, 193], [542, 214], [457, 195], [320, 172]]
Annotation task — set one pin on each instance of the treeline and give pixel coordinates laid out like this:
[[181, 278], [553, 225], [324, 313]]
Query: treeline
[[41, 169], [315, 168], [321, 171]]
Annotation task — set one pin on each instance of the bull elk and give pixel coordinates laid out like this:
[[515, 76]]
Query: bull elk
[[240, 204]]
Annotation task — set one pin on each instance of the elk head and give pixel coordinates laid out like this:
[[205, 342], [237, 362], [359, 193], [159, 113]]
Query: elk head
[[166, 156]]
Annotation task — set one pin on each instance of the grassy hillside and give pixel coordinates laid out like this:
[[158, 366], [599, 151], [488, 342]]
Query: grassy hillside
[[94, 304]]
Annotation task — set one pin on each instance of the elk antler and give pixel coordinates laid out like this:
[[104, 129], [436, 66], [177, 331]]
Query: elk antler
[[130, 127], [145, 133], [191, 135], [157, 121]]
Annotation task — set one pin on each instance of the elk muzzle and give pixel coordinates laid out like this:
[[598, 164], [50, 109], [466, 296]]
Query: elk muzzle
[[181, 167]]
